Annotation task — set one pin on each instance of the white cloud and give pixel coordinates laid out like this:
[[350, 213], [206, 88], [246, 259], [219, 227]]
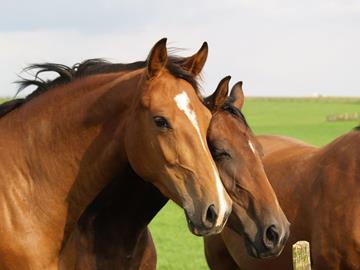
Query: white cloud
[[276, 47]]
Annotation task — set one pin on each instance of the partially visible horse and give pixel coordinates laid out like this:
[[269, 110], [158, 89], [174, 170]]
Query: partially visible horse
[[65, 143], [256, 212], [105, 240], [319, 190]]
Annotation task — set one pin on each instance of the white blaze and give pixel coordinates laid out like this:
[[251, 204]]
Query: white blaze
[[251, 146], [182, 101]]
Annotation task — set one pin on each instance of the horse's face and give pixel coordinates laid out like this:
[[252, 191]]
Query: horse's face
[[166, 145], [256, 211]]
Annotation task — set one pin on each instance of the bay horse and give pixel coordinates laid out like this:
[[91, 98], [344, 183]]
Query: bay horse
[[66, 142], [318, 188], [256, 212], [105, 240]]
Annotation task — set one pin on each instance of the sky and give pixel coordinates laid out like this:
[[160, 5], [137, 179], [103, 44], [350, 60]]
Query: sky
[[276, 47]]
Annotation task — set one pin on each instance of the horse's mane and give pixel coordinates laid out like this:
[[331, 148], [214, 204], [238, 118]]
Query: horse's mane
[[357, 128], [88, 67]]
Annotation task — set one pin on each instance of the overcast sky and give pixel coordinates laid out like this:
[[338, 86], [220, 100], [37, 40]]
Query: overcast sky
[[278, 48]]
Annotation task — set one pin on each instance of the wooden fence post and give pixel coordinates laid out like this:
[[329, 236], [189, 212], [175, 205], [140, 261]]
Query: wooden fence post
[[301, 256]]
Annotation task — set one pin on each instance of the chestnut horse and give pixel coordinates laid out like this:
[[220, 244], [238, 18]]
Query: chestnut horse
[[64, 144], [105, 240], [256, 211], [319, 190]]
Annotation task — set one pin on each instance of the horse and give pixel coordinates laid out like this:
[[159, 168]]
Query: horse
[[104, 240], [318, 188], [61, 146]]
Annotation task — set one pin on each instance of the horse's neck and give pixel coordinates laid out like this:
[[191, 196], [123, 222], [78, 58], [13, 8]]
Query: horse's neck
[[289, 166], [65, 145], [127, 201], [285, 157], [120, 214], [338, 165], [328, 183]]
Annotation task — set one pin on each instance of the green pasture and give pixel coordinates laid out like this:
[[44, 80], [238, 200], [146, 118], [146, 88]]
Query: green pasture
[[302, 118]]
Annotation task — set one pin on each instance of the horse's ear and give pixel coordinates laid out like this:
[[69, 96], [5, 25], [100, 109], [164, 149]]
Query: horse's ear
[[218, 98], [237, 94], [195, 63], [157, 58]]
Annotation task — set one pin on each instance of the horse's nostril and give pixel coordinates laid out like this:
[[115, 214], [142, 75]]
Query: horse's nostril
[[271, 237], [210, 216]]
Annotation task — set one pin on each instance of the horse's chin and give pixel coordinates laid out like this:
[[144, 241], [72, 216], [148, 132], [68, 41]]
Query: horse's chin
[[237, 225], [199, 230], [195, 229], [251, 248], [192, 227], [254, 252]]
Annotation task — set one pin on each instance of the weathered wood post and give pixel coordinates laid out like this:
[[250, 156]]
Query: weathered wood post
[[301, 256]]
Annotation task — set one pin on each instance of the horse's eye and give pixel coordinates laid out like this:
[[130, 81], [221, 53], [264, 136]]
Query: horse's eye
[[161, 122], [220, 154]]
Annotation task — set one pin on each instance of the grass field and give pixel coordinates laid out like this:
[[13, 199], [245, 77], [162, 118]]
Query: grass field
[[303, 118]]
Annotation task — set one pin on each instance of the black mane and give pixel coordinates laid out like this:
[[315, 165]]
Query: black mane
[[357, 128], [88, 67]]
